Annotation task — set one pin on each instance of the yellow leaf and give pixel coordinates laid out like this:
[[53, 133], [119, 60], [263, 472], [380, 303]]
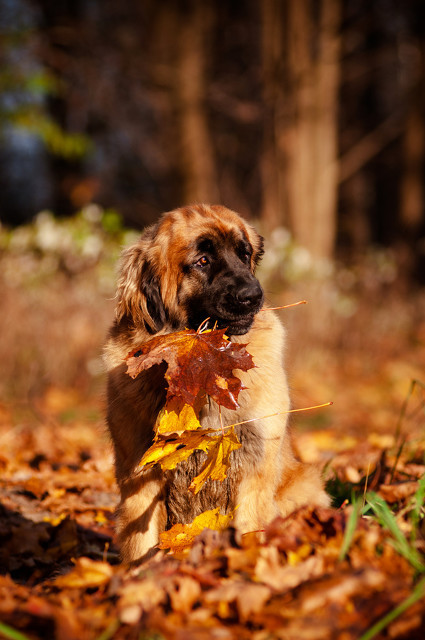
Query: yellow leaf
[[181, 536], [168, 450], [100, 517], [172, 420], [218, 460], [54, 520], [86, 573]]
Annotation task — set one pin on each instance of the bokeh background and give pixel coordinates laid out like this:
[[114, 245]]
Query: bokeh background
[[306, 117]]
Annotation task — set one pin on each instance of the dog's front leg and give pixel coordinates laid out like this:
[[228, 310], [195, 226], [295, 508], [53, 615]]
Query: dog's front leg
[[256, 499], [141, 515], [256, 503]]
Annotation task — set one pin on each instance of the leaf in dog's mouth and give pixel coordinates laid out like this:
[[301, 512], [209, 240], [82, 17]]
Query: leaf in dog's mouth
[[199, 363]]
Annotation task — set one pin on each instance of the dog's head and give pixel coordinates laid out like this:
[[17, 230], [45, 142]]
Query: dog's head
[[196, 263]]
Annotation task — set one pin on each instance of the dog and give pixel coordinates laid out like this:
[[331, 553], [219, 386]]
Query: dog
[[199, 262]]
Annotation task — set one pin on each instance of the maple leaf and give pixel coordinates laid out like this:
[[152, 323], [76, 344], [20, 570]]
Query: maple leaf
[[218, 461], [199, 363], [181, 536]]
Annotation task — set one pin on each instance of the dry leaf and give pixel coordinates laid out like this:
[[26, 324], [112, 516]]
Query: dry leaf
[[198, 363], [183, 592], [86, 573], [249, 598], [139, 596], [169, 450], [181, 536], [397, 492], [177, 416], [218, 460]]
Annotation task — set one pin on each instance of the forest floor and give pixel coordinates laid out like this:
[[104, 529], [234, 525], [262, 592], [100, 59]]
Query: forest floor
[[355, 571], [324, 573]]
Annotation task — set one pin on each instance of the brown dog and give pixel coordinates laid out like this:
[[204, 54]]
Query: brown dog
[[198, 262]]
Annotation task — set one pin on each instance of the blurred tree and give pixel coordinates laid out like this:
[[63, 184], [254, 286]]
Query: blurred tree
[[276, 120], [301, 46], [412, 190], [193, 25], [308, 113]]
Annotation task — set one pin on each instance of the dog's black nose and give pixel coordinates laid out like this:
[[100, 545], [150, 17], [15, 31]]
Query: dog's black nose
[[250, 295]]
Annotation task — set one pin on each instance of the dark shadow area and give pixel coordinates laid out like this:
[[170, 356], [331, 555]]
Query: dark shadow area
[[31, 552]]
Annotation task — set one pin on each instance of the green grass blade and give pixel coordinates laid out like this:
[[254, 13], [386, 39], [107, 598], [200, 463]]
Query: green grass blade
[[418, 503], [110, 630], [11, 633], [387, 519], [350, 529], [417, 594]]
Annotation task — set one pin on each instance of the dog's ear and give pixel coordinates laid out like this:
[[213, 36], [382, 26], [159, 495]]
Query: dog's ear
[[257, 244], [258, 249], [150, 288], [138, 291]]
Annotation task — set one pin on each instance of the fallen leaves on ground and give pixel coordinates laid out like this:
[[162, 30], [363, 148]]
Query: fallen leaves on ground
[[318, 574]]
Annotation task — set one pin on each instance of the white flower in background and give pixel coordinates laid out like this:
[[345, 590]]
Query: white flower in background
[[50, 236], [92, 247], [280, 238], [92, 213], [301, 260]]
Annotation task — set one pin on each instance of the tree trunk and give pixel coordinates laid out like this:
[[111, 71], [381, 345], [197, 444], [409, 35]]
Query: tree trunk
[[274, 210], [412, 181], [197, 156], [304, 141]]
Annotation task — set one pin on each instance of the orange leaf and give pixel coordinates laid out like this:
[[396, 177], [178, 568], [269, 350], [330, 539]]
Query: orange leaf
[[86, 573], [198, 364]]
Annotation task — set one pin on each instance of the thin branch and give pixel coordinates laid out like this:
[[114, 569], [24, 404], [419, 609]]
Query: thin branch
[[279, 413], [221, 419], [285, 306], [202, 326], [365, 486]]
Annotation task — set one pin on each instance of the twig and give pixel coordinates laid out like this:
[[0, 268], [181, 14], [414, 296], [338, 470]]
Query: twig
[[221, 419], [285, 306], [279, 413], [365, 486], [201, 326], [401, 442]]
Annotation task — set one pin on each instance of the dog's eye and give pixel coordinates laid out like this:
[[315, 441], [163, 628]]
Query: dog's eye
[[202, 262]]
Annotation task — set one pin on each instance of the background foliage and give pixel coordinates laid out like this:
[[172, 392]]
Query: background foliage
[[306, 115]]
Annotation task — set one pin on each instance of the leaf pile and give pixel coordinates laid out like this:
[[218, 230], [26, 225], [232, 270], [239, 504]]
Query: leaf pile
[[319, 574], [355, 572]]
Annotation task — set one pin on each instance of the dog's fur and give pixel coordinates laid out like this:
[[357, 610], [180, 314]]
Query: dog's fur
[[198, 262]]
